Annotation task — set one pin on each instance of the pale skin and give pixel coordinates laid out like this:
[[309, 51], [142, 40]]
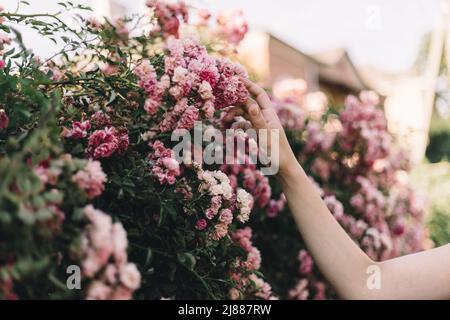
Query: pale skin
[[423, 275]]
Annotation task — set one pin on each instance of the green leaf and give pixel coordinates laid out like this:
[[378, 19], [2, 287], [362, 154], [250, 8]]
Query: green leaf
[[112, 97], [148, 258], [187, 259]]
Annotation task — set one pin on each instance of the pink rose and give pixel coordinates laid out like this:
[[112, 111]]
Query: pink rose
[[119, 242], [226, 216], [98, 291], [234, 294], [201, 224], [103, 143], [91, 179], [122, 293], [4, 120], [220, 231], [205, 91], [130, 276]]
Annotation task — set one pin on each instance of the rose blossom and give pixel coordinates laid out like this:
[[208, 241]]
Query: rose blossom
[[234, 294], [168, 15], [98, 291], [188, 118], [4, 120], [79, 130], [220, 231], [166, 167], [130, 276], [300, 292], [232, 25], [91, 179], [306, 262], [201, 224], [119, 242], [104, 250], [245, 204], [205, 91], [216, 202], [253, 259], [103, 143], [226, 216]]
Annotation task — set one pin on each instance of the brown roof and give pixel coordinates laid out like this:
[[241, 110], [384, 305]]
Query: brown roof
[[335, 66]]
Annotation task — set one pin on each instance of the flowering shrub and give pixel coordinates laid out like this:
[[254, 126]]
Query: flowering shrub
[[119, 204], [90, 176]]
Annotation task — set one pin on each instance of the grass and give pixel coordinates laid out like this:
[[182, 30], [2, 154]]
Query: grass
[[433, 180]]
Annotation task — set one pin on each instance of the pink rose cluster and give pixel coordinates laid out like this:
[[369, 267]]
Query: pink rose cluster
[[306, 289], [245, 281], [363, 120], [276, 206], [168, 16], [318, 139], [153, 88], [220, 212], [232, 25], [104, 258], [91, 179], [165, 167], [291, 116], [306, 262], [308, 286], [253, 181], [354, 226], [102, 143], [230, 90], [50, 174], [369, 201], [79, 130], [198, 82]]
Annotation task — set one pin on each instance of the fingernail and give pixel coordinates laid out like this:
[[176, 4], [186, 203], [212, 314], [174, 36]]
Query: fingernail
[[254, 110]]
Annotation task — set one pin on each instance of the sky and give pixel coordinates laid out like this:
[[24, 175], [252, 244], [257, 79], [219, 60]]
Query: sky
[[381, 33]]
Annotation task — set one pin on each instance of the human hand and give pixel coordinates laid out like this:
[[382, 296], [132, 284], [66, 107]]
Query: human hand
[[263, 117]]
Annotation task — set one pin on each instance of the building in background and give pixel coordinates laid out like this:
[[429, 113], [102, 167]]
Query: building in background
[[272, 60]]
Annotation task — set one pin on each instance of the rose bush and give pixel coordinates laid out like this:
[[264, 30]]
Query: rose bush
[[106, 187], [90, 175]]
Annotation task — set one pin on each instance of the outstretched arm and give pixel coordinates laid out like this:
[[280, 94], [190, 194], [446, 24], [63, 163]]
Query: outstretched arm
[[424, 275]]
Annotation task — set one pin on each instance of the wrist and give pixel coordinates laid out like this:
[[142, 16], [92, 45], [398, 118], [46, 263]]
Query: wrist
[[290, 168]]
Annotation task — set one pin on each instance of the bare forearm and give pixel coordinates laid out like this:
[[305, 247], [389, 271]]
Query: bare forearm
[[342, 262], [425, 275]]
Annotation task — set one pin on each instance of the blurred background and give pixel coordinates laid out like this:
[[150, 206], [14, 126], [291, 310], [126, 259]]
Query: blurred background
[[398, 49]]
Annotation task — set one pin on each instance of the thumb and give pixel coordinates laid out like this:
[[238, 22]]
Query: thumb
[[255, 115]]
